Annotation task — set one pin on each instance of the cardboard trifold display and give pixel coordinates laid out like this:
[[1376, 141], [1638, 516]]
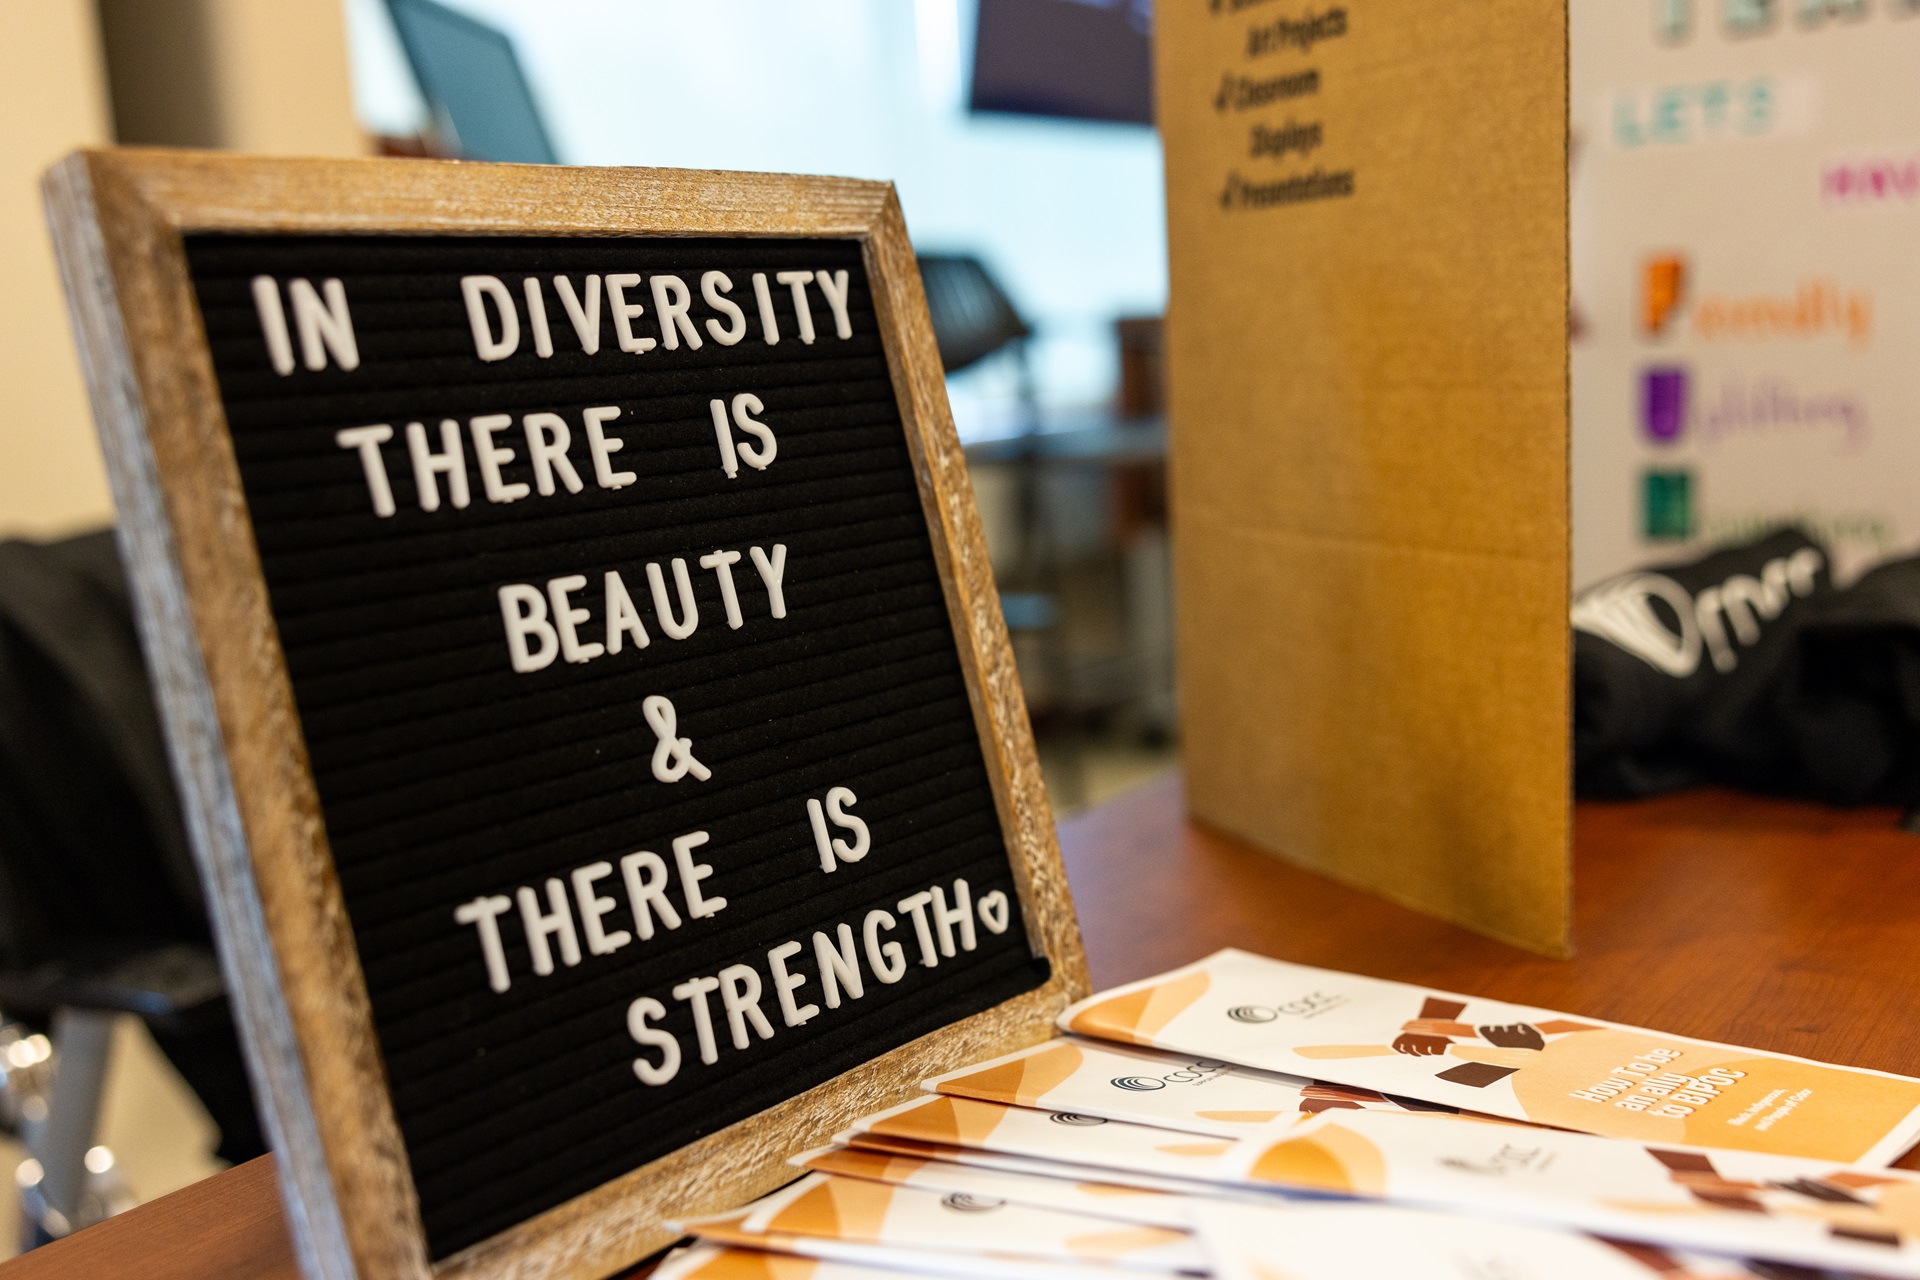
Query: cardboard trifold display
[[583, 671], [1368, 409]]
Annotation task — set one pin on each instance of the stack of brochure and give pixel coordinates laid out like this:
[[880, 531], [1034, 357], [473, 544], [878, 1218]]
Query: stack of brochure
[[1257, 1120]]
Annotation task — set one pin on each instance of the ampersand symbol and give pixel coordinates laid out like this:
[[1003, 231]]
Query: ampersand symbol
[[672, 756]]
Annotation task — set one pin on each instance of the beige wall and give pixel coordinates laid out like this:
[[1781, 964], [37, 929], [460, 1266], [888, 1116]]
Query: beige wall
[[266, 76], [251, 75], [53, 99]]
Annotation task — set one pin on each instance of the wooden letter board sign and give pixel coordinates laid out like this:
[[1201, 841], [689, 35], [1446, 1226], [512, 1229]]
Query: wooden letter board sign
[[584, 673]]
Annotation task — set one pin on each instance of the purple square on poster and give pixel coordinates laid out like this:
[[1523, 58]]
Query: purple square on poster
[[1663, 403]]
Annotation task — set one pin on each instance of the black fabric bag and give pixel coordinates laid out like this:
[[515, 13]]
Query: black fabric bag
[[1855, 712], [1681, 673], [94, 855], [1746, 667]]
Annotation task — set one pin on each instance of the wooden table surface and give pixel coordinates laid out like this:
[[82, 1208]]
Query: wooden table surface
[[1760, 922]]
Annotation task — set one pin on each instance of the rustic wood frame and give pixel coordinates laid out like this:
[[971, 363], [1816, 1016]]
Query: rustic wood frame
[[118, 220]]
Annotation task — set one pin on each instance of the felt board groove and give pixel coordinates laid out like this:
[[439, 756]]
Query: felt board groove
[[442, 774]]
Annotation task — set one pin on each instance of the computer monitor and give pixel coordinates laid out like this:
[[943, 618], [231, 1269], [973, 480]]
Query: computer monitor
[[1080, 59], [473, 82]]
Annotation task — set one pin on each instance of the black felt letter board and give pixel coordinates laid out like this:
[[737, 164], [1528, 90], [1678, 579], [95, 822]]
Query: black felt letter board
[[445, 775]]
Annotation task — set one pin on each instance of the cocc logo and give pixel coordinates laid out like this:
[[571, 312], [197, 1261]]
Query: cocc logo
[[1138, 1084], [1314, 1002], [965, 1202]]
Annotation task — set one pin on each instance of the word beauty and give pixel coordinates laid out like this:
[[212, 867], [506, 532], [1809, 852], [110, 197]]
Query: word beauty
[[544, 623], [1507, 1060]]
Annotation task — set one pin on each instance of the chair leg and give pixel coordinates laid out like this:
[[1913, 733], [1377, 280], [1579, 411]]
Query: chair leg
[[82, 1043]]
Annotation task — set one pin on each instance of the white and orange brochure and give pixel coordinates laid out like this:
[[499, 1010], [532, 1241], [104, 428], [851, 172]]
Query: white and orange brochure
[[1146, 1086], [1810, 1213], [854, 1220], [723, 1262], [1176, 1161], [1509, 1060], [1346, 1241], [1036, 1166], [1096, 1199]]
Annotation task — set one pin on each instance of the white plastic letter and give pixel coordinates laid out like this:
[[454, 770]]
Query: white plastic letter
[[916, 904], [714, 286], [802, 313], [837, 801], [477, 290], [670, 303], [566, 619], [556, 922], [961, 913], [485, 912], [592, 907], [325, 328], [603, 447], [833, 287], [491, 457], [449, 461], [625, 313], [669, 1045], [785, 984], [368, 441], [582, 310], [537, 317], [547, 439], [694, 991], [689, 618], [723, 435], [769, 326], [740, 996], [647, 896], [524, 610], [692, 873], [773, 572], [273, 324], [745, 405], [839, 965], [622, 618], [722, 562], [817, 819], [888, 961]]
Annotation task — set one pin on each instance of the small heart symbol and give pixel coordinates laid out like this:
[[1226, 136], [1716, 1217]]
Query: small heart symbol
[[993, 911]]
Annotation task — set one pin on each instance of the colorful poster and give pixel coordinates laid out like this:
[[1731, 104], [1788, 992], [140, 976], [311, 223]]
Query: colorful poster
[[1745, 197], [1508, 1060], [1806, 1212]]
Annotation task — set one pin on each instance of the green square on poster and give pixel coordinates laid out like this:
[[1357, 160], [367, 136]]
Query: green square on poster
[[1666, 507]]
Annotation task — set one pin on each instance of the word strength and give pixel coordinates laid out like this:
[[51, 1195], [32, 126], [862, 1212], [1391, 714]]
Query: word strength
[[576, 918], [942, 926]]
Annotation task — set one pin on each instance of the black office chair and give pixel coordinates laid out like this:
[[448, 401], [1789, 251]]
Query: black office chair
[[100, 905]]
